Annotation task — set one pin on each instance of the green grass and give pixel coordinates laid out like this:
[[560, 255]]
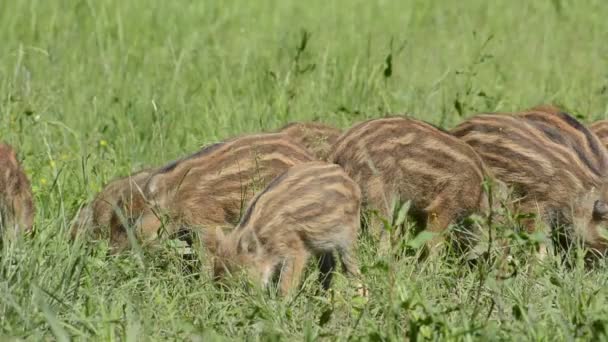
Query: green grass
[[91, 90]]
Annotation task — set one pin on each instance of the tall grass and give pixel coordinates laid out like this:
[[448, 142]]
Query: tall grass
[[90, 90]]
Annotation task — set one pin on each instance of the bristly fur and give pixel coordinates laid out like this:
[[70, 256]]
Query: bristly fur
[[318, 138], [313, 209], [552, 163], [563, 129], [209, 188], [600, 128], [16, 200], [547, 108], [398, 159]]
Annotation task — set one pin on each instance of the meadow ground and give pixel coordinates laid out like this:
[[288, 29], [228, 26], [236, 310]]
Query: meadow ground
[[91, 90]]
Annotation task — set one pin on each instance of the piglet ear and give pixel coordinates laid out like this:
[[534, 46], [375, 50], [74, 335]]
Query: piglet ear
[[600, 210], [248, 243]]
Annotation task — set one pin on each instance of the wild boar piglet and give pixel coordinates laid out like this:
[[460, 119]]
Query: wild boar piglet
[[313, 209], [16, 201], [207, 189], [398, 159], [554, 166]]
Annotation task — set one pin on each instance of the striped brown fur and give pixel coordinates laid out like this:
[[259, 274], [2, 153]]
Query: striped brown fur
[[95, 216], [16, 201], [316, 137], [210, 187], [402, 159], [545, 158], [561, 128], [600, 128], [547, 108], [313, 209]]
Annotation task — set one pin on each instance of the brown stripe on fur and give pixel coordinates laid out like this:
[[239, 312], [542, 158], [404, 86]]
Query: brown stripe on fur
[[600, 128], [397, 158], [310, 178], [564, 129], [312, 209], [547, 108], [540, 156], [212, 188], [522, 145], [523, 140], [316, 137], [204, 151]]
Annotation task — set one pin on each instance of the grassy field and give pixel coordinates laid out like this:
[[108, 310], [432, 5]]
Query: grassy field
[[91, 90]]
